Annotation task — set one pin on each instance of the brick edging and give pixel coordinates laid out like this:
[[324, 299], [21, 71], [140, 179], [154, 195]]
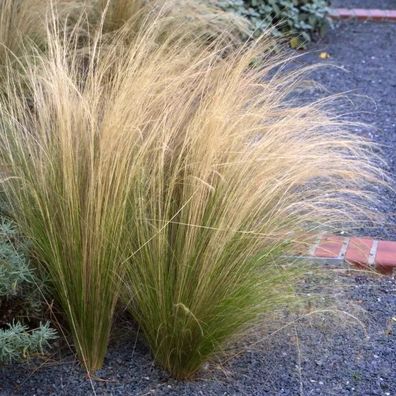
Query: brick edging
[[360, 252], [363, 14]]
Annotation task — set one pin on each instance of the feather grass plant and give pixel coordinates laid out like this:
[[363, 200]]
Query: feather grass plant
[[62, 191], [233, 173], [176, 174], [67, 170]]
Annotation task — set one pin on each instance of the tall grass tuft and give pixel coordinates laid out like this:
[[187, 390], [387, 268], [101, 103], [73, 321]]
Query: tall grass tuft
[[68, 170], [176, 173], [232, 172], [67, 190]]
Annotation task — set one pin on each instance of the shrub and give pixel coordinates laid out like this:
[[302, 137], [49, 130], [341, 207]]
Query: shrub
[[19, 299], [298, 20]]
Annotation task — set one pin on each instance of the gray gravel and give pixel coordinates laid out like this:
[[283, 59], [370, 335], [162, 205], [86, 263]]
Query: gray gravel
[[365, 54], [318, 358]]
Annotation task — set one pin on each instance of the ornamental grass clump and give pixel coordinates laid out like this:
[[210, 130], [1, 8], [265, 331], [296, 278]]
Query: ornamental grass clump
[[68, 163], [175, 174], [233, 173], [68, 189]]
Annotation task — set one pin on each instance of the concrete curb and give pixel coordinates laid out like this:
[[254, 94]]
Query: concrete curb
[[363, 14]]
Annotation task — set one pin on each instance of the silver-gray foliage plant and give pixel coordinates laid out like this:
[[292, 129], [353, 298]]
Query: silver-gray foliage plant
[[19, 297], [301, 19]]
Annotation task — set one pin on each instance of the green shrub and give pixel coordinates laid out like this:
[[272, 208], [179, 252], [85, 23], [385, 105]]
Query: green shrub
[[298, 20], [20, 300]]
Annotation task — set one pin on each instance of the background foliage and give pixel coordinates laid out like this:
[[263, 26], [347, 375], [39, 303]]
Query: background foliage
[[300, 20]]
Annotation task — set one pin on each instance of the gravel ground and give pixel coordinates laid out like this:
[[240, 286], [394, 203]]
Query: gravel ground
[[365, 54], [377, 4], [321, 357], [318, 357]]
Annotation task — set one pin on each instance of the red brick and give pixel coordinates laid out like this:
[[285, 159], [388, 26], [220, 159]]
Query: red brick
[[377, 15], [361, 13], [341, 13], [385, 259], [358, 251], [329, 246], [391, 15]]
